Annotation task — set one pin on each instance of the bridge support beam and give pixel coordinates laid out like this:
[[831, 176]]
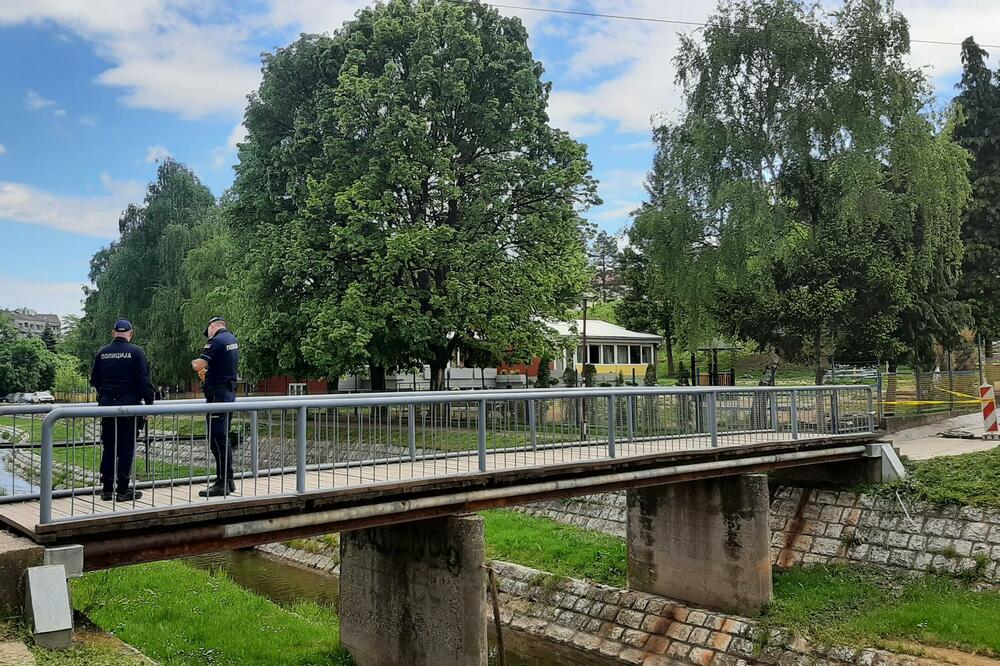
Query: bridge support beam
[[705, 542], [17, 555], [880, 464], [414, 593]]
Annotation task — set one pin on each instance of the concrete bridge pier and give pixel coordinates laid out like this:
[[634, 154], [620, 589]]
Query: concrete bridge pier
[[414, 593], [706, 542]]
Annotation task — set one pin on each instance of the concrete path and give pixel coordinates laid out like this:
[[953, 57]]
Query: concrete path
[[925, 442], [15, 653]]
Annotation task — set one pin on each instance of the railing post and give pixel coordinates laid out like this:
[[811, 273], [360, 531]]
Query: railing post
[[411, 430], [300, 463], [834, 413], [794, 414], [611, 426], [481, 435], [45, 485], [871, 410], [773, 406], [629, 418], [254, 445], [713, 421], [531, 425]]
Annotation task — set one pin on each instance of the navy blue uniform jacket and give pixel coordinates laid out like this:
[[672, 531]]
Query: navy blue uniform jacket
[[121, 374]]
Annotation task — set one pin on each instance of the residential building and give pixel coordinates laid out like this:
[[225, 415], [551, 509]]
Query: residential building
[[612, 349], [30, 323]]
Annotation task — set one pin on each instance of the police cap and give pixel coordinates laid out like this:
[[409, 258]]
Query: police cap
[[123, 326], [212, 321]]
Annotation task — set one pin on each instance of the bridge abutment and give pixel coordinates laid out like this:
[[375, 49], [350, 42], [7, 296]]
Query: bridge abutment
[[706, 542], [414, 593]]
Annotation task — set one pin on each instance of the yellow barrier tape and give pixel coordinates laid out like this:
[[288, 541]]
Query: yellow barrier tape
[[931, 402], [961, 395]]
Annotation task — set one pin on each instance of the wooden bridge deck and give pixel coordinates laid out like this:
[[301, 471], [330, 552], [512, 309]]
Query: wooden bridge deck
[[177, 502]]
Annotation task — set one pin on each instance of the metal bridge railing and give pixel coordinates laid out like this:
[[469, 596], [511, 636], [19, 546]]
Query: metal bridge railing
[[294, 445]]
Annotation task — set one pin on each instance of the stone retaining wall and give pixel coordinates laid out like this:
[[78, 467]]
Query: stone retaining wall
[[636, 628], [826, 527], [629, 627]]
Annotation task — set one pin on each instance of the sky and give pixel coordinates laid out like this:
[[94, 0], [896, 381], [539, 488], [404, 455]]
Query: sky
[[94, 94]]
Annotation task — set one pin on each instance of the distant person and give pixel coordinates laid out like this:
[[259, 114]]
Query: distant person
[[217, 366], [121, 377]]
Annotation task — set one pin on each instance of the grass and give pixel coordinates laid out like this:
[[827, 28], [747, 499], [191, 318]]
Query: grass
[[177, 614], [91, 654], [560, 550], [88, 649], [971, 479], [865, 607], [838, 605]]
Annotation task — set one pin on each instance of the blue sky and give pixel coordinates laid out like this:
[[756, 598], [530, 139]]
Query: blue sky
[[93, 93]]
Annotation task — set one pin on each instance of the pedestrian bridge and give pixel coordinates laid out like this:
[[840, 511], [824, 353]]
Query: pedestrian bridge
[[397, 474], [313, 464]]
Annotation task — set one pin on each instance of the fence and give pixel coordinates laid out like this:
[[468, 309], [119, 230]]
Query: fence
[[921, 392], [308, 443]]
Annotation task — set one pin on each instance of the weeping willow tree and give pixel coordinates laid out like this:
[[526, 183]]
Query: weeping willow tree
[[142, 276], [805, 200]]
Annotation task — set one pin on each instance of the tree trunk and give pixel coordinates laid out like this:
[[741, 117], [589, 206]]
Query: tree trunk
[[818, 355], [669, 345], [333, 383], [439, 368], [377, 374]]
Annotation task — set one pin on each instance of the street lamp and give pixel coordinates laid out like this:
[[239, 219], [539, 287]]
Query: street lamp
[[585, 299]]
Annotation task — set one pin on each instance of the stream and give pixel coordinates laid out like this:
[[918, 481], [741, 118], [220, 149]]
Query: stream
[[286, 583]]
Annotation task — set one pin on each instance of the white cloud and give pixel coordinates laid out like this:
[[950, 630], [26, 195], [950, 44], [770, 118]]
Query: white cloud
[[167, 55], [59, 112], [951, 21], [156, 154], [227, 152], [88, 215], [89, 120], [62, 298], [313, 15], [33, 101], [626, 74], [3, 149]]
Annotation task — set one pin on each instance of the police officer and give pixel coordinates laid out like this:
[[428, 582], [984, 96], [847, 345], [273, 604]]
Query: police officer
[[218, 365], [121, 377]]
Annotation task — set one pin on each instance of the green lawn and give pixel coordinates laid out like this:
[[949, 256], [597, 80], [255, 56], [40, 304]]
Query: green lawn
[[970, 479], [561, 550], [865, 607], [177, 614]]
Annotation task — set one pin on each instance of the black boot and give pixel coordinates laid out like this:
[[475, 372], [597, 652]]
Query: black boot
[[107, 494], [218, 489], [129, 495]]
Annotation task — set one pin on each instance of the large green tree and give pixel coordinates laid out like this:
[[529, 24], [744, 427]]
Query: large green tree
[[978, 131], [645, 304], [804, 199], [604, 260], [401, 194], [141, 276], [26, 365]]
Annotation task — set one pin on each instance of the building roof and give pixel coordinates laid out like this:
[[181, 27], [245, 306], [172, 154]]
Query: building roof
[[31, 322], [598, 330]]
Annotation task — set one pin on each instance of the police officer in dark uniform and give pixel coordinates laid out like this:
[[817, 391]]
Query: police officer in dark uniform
[[121, 377], [217, 366]]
